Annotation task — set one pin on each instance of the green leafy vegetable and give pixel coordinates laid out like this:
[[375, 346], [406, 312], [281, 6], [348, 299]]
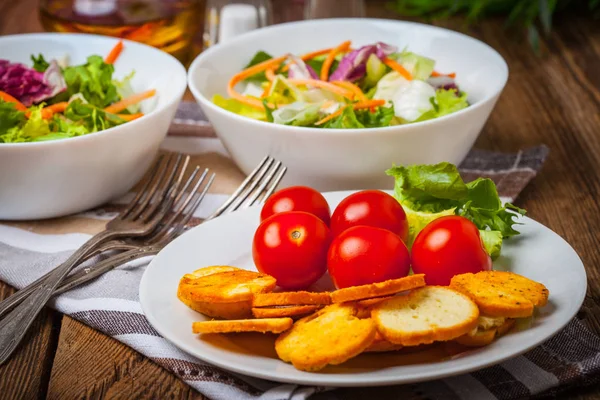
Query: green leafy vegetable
[[297, 114], [283, 92], [492, 242], [39, 63], [346, 120], [268, 111], [92, 118], [93, 80], [259, 57], [317, 63], [420, 67], [125, 90], [446, 101], [436, 189], [375, 71], [10, 117], [380, 118], [238, 107]]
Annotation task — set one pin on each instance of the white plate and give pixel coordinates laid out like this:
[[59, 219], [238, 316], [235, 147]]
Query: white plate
[[538, 253]]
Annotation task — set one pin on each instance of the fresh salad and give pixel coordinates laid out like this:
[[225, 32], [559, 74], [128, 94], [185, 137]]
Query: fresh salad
[[369, 87], [53, 100]]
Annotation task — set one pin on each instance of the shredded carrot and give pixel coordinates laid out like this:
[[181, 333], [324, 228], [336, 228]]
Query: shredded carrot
[[114, 53], [130, 117], [331, 116], [129, 101], [451, 75], [9, 99], [353, 88], [48, 112], [357, 106], [270, 73], [397, 67], [265, 93], [324, 85], [240, 76], [331, 57]]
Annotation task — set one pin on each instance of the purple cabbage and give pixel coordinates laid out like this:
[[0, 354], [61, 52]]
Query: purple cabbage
[[354, 65], [28, 85], [443, 82], [300, 70]]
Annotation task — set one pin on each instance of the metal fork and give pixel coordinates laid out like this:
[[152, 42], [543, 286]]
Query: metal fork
[[269, 173], [140, 218], [260, 183]]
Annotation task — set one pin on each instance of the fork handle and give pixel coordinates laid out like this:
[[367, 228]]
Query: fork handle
[[15, 325]]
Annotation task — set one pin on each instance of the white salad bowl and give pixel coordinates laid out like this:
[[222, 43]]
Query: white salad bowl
[[330, 159], [61, 177]]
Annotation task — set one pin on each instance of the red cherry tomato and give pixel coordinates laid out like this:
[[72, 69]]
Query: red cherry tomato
[[449, 246], [297, 198], [371, 208], [364, 254], [292, 248]]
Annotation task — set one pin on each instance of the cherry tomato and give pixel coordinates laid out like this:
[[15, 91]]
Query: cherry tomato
[[364, 254], [372, 208], [292, 248], [297, 198], [449, 246]]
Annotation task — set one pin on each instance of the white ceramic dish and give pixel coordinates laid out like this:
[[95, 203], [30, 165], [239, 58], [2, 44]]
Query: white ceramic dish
[[56, 178], [538, 253], [351, 159]]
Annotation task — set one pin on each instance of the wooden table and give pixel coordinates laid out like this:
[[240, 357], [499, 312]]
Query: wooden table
[[553, 99]]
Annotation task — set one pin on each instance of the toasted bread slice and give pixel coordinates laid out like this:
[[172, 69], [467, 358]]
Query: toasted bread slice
[[425, 315], [364, 307], [378, 289], [329, 336], [217, 301], [479, 337], [502, 294], [225, 287], [237, 310], [284, 311], [381, 345], [291, 299], [274, 325]]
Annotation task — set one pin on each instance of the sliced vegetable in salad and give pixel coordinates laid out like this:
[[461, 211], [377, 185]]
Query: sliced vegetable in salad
[[342, 88], [50, 100]]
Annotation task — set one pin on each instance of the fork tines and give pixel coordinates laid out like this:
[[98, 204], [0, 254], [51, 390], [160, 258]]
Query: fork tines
[[257, 187]]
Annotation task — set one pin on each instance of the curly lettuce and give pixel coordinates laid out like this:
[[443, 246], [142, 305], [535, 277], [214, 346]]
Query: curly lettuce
[[430, 191]]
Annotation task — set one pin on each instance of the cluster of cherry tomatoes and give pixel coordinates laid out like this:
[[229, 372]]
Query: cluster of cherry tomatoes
[[362, 242]]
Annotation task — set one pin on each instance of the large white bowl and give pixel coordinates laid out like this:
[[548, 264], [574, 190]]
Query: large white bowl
[[357, 158], [56, 178]]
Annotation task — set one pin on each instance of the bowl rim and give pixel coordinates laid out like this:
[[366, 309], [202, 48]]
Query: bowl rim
[[55, 35], [204, 101]]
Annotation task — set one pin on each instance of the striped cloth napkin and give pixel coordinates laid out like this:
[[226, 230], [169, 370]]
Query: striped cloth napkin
[[111, 305]]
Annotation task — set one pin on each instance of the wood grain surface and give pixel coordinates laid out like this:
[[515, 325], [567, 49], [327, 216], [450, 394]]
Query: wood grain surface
[[552, 99]]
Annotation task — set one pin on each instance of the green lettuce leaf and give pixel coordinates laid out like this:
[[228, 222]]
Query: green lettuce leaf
[[283, 92], [346, 120], [10, 117], [317, 63], [375, 71], [297, 114], [492, 242], [419, 66], [259, 57], [124, 90], [239, 108], [439, 188], [93, 80], [417, 220], [446, 101], [39, 63], [380, 118], [94, 119]]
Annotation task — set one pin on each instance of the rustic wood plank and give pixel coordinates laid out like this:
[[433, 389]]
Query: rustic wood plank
[[26, 374], [91, 365]]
